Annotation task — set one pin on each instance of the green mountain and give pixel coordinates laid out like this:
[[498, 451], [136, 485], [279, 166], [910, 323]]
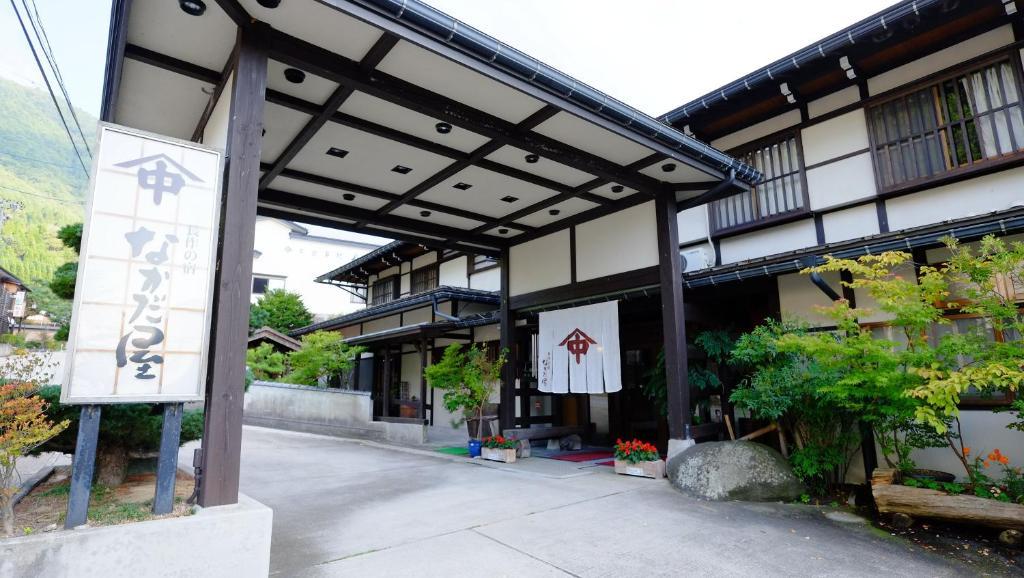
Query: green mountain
[[42, 188]]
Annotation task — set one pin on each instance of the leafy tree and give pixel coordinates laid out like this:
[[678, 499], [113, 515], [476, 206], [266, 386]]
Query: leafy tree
[[280, 310], [63, 282], [467, 378], [701, 376], [123, 428], [71, 237], [324, 356], [264, 362]]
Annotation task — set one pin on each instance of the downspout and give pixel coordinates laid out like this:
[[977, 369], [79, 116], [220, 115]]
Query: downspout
[[710, 194], [441, 314], [867, 435]]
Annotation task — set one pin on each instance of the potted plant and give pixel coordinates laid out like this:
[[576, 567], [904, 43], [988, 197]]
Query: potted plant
[[499, 449], [638, 458], [468, 379]]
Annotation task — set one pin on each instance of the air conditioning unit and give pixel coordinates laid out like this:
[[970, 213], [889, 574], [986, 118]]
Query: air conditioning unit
[[695, 259]]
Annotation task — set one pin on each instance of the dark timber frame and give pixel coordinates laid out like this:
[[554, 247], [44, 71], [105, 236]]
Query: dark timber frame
[[673, 321]]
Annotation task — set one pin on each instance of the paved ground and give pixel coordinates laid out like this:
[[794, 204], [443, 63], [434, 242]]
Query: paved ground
[[345, 508]]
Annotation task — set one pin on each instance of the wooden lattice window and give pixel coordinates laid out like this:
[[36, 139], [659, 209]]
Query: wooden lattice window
[[384, 290], [423, 279], [782, 192]]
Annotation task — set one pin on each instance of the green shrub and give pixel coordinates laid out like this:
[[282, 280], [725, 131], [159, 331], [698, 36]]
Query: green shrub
[[280, 310], [264, 362], [324, 356]]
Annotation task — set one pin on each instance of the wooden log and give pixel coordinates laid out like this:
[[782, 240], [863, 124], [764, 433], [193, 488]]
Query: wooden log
[[891, 498], [782, 443], [758, 433], [728, 426]]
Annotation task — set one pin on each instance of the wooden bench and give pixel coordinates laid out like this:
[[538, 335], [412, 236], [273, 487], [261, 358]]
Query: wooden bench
[[543, 433]]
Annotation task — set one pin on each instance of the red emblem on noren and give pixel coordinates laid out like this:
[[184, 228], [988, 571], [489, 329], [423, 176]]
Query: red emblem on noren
[[578, 343]]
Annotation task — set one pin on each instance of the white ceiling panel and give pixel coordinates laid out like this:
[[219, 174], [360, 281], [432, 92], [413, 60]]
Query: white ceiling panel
[[565, 209], [678, 173], [318, 24], [509, 232], [160, 101], [281, 124], [383, 232], [613, 191], [586, 136], [410, 122], [326, 193], [162, 26], [369, 161], [511, 156], [313, 89], [484, 195], [455, 81], [436, 217]]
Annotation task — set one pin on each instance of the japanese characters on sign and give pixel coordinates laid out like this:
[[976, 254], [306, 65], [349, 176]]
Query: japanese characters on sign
[[145, 277]]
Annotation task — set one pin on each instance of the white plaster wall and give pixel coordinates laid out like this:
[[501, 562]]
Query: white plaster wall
[[977, 196], [941, 60], [425, 259], [850, 223], [982, 431], [781, 239], [754, 132], [799, 298], [841, 182], [404, 279], [453, 273], [411, 373], [540, 264], [834, 101], [620, 242], [421, 315], [693, 224], [381, 324], [486, 333], [489, 280], [835, 137], [215, 134]]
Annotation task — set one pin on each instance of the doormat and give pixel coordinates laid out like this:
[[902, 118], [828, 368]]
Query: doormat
[[454, 450], [583, 456]]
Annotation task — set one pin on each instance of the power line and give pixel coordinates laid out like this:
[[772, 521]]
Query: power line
[[35, 160], [24, 192], [49, 88], [44, 42]]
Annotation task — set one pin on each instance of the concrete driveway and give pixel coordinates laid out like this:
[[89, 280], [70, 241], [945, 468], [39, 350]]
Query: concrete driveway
[[348, 508]]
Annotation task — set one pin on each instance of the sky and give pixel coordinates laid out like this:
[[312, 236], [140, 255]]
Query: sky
[[652, 54]]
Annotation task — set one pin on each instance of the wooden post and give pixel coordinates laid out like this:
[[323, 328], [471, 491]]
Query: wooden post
[[507, 411], [222, 437], [82, 466], [673, 321], [167, 462], [423, 379]]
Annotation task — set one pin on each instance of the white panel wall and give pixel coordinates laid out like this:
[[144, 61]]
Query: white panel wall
[[620, 242], [977, 196], [424, 259], [540, 264], [757, 131], [941, 60], [788, 237], [215, 134], [489, 280], [841, 182], [799, 298], [835, 137], [381, 324], [693, 224], [834, 101], [453, 273], [421, 315], [850, 223], [486, 333], [404, 279]]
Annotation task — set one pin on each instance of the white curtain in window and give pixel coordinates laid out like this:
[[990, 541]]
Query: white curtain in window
[[992, 88]]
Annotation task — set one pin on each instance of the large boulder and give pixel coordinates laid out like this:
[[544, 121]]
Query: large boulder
[[734, 471]]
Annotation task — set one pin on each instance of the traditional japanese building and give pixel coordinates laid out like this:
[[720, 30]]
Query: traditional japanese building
[[391, 118]]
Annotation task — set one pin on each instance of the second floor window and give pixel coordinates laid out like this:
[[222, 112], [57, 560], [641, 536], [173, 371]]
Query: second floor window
[[779, 194], [384, 291], [947, 126], [423, 279]]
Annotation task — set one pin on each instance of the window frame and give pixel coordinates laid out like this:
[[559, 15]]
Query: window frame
[[776, 219], [972, 168], [393, 280], [421, 270], [472, 266]]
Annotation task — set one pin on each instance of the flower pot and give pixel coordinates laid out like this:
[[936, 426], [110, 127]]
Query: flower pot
[[652, 469], [474, 448], [499, 455]]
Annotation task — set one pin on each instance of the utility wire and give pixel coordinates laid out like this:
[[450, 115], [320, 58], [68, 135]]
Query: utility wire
[[49, 88], [35, 160], [24, 192], [44, 42]]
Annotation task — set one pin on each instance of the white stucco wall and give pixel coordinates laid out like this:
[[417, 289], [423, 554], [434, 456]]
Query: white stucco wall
[[840, 182], [453, 273], [850, 223], [620, 242], [693, 224], [540, 264], [835, 137], [489, 280], [788, 237], [757, 131], [977, 196]]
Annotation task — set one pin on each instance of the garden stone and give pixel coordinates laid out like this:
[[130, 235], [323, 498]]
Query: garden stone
[[1011, 537], [571, 442], [902, 521], [738, 470]]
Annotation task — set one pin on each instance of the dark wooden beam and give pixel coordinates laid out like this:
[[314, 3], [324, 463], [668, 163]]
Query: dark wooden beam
[[378, 194], [171, 64], [117, 39], [507, 332], [235, 12], [222, 436], [619, 282], [373, 57], [310, 205], [335, 223], [296, 52], [672, 315], [229, 66]]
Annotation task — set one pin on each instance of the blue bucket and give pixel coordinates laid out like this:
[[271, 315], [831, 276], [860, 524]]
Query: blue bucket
[[474, 448]]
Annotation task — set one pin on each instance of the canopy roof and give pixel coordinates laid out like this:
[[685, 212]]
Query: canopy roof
[[358, 270], [406, 123]]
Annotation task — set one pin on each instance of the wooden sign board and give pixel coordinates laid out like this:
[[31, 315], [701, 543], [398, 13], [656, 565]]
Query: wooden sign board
[[141, 319]]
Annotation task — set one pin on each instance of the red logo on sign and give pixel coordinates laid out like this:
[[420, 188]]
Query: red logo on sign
[[578, 343]]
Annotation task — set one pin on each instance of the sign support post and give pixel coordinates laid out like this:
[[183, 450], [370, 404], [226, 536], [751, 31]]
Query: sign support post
[[83, 466], [167, 462]]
